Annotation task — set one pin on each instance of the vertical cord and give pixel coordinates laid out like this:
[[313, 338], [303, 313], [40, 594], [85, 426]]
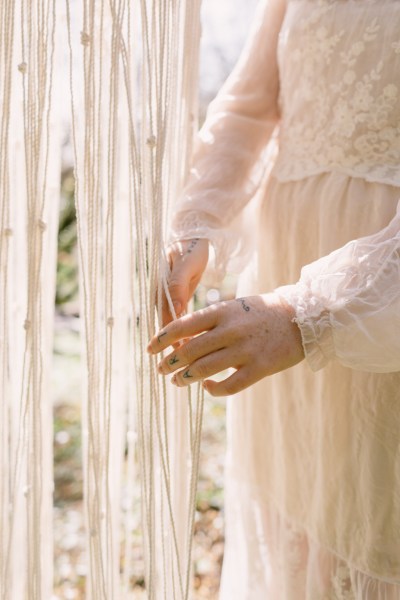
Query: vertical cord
[[7, 17], [28, 35], [154, 138], [38, 40], [157, 157]]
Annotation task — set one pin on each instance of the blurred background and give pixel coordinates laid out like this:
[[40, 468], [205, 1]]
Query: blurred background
[[224, 27]]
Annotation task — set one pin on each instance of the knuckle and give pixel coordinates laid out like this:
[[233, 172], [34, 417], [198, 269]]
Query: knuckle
[[201, 369], [171, 328], [183, 356], [202, 312], [217, 392], [177, 287], [227, 389], [231, 387], [164, 367], [176, 329], [187, 352], [175, 283]]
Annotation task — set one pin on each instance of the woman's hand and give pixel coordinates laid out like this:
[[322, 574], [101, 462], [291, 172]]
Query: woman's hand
[[254, 335], [188, 260]]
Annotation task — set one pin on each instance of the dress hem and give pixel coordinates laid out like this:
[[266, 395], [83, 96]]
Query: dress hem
[[291, 521]]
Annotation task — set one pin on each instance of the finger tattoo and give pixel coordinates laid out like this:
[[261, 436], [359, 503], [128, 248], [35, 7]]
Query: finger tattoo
[[187, 374], [160, 335], [173, 360]]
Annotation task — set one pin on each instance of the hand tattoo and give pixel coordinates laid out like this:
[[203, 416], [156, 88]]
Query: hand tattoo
[[245, 306], [173, 360], [187, 374]]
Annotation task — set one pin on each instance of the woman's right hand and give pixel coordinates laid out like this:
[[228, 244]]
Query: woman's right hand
[[188, 260]]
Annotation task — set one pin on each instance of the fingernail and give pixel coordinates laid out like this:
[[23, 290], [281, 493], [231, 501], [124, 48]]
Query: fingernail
[[159, 368], [177, 306], [173, 380], [204, 385]]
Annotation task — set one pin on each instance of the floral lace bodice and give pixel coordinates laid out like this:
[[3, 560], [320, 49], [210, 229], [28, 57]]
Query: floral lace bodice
[[339, 64]]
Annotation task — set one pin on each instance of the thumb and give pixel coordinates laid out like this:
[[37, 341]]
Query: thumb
[[178, 288], [179, 292], [179, 284], [186, 270]]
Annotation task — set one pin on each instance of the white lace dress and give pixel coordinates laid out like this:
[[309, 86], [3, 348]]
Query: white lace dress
[[313, 465]]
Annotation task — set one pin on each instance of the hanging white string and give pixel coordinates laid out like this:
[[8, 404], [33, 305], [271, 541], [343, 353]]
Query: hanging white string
[[132, 139], [29, 192], [132, 132]]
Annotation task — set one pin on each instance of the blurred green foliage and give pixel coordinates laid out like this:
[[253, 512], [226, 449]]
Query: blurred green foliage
[[67, 262], [68, 476]]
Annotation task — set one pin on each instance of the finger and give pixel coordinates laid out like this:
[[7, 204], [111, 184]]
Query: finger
[[204, 367], [237, 382], [179, 292], [187, 260], [187, 326], [181, 284], [180, 297], [189, 352]]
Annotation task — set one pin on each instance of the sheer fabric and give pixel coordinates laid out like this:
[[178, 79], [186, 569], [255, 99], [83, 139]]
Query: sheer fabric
[[348, 303], [319, 450], [290, 564], [313, 452], [239, 124]]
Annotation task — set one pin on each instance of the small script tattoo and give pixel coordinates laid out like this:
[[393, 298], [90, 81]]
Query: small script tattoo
[[192, 245], [173, 360], [187, 374], [160, 335], [245, 306]]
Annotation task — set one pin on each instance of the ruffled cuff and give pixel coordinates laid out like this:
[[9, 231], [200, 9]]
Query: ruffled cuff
[[314, 323]]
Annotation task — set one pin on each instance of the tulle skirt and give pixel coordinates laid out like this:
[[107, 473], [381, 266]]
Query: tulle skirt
[[313, 461]]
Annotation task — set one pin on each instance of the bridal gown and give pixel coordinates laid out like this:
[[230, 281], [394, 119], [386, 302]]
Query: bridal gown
[[313, 463]]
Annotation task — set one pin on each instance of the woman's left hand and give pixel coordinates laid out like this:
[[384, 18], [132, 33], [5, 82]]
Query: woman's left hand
[[254, 335]]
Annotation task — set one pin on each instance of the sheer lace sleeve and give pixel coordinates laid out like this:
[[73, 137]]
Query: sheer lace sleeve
[[348, 303], [240, 121]]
